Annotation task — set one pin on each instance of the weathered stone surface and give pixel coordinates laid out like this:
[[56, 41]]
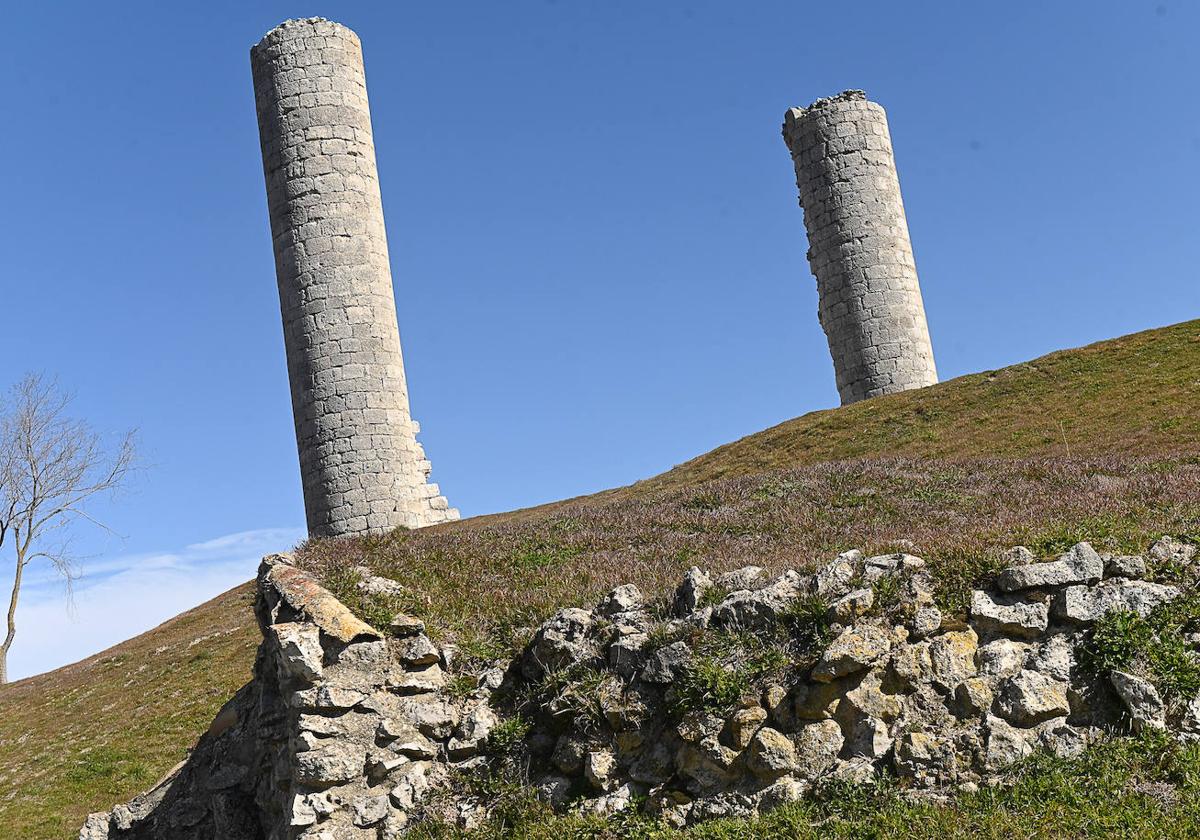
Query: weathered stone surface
[[1028, 698], [1002, 657], [859, 250], [833, 580], [817, 746], [300, 653], [1126, 566], [1012, 617], [667, 663], [417, 650], [362, 467], [1169, 550], [403, 624], [304, 595], [926, 621], [747, 577], [852, 605], [1004, 745], [370, 810], [973, 696], [474, 730], [623, 599], [691, 592], [771, 754], [332, 764], [1141, 699], [742, 726], [758, 608], [1079, 565], [559, 643], [855, 649], [1086, 604], [952, 657]]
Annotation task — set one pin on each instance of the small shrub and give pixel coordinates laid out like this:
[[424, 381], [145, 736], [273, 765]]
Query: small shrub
[[1154, 644], [507, 736]]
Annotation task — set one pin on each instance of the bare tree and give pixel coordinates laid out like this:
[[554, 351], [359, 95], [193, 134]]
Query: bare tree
[[51, 466]]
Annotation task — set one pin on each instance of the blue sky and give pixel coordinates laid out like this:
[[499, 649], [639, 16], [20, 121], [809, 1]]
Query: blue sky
[[598, 255]]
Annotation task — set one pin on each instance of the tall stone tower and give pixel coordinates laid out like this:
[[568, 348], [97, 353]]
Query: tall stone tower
[[870, 302], [360, 462]]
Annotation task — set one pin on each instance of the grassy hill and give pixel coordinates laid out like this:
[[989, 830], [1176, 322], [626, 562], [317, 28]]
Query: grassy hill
[[1098, 443]]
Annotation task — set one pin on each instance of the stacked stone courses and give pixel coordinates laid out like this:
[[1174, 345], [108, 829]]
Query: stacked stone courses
[[361, 465], [859, 249]]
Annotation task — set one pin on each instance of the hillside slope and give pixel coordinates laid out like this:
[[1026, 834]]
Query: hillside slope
[[984, 466], [1138, 394], [94, 733]]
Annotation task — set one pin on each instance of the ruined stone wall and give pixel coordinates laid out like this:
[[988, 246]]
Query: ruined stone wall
[[360, 462], [841, 676], [870, 301]]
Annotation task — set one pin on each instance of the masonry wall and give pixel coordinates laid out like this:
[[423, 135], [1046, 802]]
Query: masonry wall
[[361, 465], [859, 250]]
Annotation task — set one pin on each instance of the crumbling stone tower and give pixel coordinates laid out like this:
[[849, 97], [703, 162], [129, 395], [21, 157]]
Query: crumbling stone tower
[[870, 301], [360, 462]]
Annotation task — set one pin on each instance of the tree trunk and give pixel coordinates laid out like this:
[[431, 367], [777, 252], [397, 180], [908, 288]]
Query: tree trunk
[[3, 667]]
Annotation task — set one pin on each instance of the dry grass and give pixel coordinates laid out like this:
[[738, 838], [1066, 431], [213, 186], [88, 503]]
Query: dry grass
[[478, 584]]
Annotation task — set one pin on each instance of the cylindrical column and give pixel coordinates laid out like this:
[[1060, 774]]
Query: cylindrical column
[[859, 250], [360, 463]]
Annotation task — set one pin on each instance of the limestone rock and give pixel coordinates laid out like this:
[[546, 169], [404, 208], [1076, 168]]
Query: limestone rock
[[627, 654], [817, 746], [96, 827], [742, 725], [403, 624], [924, 757], [300, 654], [668, 663], [1086, 604], [1028, 698], [1141, 699], [758, 608], [747, 577], [1168, 550], [1004, 745], [1126, 566], [369, 810], [623, 599], [833, 580], [952, 657], [417, 650], [973, 696], [334, 763], [1079, 565], [1002, 657], [690, 594], [855, 649], [852, 605], [598, 768], [559, 643], [817, 701], [926, 621], [472, 732], [1011, 617], [771, 754]]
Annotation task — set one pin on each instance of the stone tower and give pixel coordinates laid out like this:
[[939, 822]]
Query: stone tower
[[360, 462], [870, 302]]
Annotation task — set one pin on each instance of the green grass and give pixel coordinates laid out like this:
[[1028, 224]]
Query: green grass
[[1136, 394], [1155, 646], [954, 473]]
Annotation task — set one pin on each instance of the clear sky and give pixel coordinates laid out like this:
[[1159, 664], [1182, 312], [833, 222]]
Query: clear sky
[[597, 249]]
